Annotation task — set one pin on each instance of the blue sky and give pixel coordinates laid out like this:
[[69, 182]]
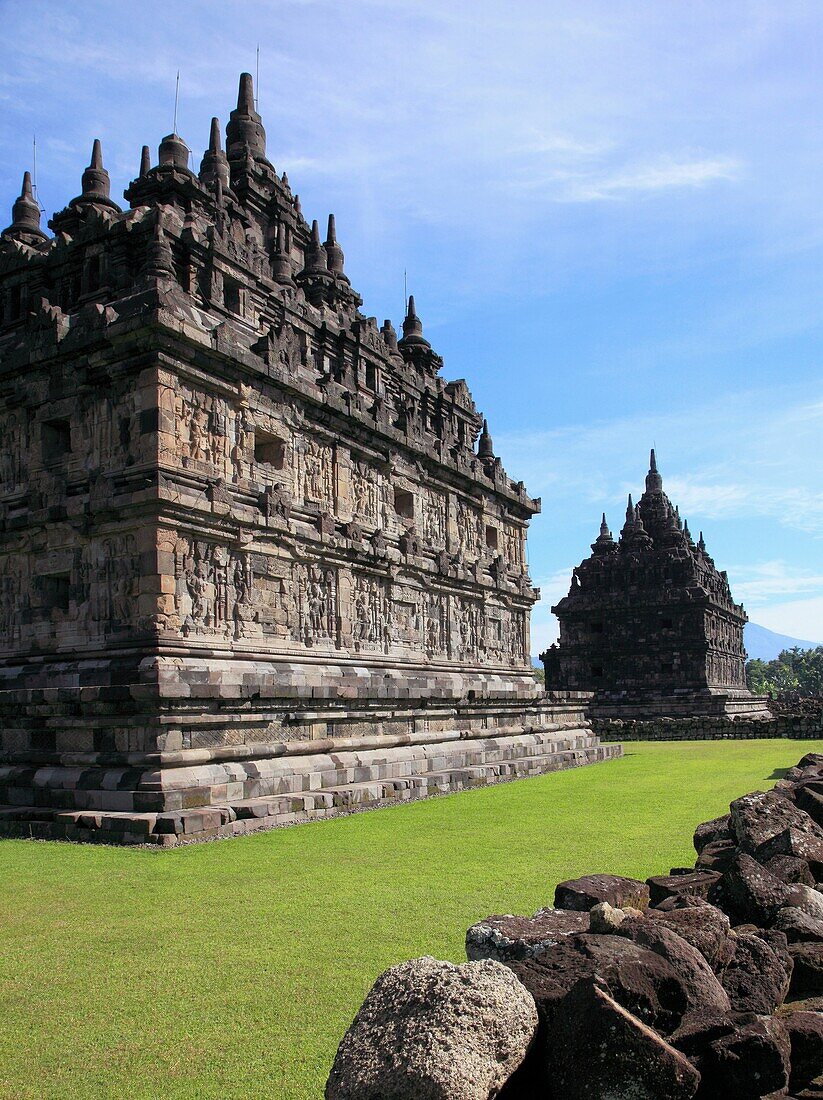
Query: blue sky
[[610, 215]]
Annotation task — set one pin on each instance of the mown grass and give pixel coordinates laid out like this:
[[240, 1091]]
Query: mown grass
[[232, 969]]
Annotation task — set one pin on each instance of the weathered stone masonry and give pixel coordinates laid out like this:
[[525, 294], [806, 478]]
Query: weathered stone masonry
[[242, 527]]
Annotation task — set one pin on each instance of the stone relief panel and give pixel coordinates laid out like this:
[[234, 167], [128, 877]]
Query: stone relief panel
[[368, 489], [314, 473], [108, 584], [215, 592], [14, 427], [106, 429], [316, 597], [514, 549], [434, 518], [470, 530], [202, 428], [468, 619], [372, 618], [15, 585]]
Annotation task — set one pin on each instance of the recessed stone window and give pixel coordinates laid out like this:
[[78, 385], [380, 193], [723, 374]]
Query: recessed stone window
[[491, 537], [597, 672], [56, 440], [232, 295], [404, 503], [56, 588], [269, 450], [597, 627], [371, 377]]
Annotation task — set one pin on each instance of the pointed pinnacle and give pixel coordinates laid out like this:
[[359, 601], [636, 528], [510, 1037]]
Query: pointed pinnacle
[[96, 154], [652, 462], [145, 161], [315, 234], [214, 136], [411, 312], [331, 236], [245, 94], [26, 193]]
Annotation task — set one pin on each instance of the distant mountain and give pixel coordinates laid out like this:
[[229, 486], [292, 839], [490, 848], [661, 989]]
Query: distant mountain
[[766, 645]]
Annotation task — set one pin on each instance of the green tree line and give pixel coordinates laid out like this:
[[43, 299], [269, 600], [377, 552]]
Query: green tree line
[[799, 670]]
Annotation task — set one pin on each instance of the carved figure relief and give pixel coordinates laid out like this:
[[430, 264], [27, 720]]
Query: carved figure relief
[[371, 612], [470, 530], [434, 518], [314, 473], [316, 595], [13, 466], [367, 494], [215, 591]]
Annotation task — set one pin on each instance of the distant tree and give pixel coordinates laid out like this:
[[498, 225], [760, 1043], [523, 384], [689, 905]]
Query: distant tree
[[796, 669]]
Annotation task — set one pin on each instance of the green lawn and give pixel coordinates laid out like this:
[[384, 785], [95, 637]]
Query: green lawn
[[231, 970]]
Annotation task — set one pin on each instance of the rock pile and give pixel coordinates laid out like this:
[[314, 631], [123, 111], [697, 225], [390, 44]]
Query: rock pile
[[706, 982]]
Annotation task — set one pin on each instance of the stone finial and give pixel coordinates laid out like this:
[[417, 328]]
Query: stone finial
[[298, 209], [317, 260], [145, 162], [281, 265], [485, 446], [214, 167], [173, 151], [387, 331], [96, 185], [604, 541], [630, 510], [333, 250], [701, 543], [25, 215], [687, 533], [654, 482], [413, 328], [245, 127]]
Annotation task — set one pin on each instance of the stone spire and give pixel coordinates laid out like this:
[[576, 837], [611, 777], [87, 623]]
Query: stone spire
[[413, 328], [687, 534], [654, 482], [701, 544], [96, 185], [334, 252], [485, 447], [317, 260], [25, 217], [281, 265], [604, 543], [145, 162], [215, 165], [245, 128]]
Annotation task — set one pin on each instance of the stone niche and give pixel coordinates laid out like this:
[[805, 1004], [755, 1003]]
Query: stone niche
[[258, 561]]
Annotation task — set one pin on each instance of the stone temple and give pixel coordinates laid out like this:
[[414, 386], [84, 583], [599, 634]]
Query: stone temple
[[258, 559], [650, 625]]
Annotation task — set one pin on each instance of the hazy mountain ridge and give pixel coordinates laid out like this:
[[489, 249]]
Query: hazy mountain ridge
[[766, 644]]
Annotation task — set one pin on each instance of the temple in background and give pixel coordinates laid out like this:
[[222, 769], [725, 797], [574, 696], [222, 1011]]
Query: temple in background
[[649, 624]]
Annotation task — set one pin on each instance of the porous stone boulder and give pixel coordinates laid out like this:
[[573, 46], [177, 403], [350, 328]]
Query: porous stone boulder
[[797, 925], [703, 990], [430, 1030], [716, 856], [697, 883], [757, 978], [805, 1032], [646, 984], [806, 898], [790, 869], [810, 800], [718, 830], [604, 919], [602, 1051], [739, 1057], [769, 824], [807, 976], [584, 893], [747, 892], [702, 925], [509, 938]]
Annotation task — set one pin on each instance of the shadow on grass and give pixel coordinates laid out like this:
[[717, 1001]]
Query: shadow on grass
[[778, 773]]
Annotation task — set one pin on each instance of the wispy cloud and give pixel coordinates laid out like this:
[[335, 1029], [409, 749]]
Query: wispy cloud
[[761, 583]]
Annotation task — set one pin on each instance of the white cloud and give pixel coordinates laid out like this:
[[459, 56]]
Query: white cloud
[[797, 618], [761, 583], [666, 173]]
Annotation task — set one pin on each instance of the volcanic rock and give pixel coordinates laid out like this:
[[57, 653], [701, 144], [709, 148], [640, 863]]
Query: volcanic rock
[[790, 869], [757, 818], [798, 925], [703, 990], [702, 925], [810, 801], [757, 978], [584, 893], [601, 1051], [807, 976], [716, 856], [739, 1057], [644, 983], [430, 1030], [805, 1031], [748, 892], [692, 882], [712, 832], [508, 938]]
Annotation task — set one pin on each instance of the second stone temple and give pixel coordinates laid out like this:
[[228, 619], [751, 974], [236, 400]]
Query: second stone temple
[[258, 557]]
